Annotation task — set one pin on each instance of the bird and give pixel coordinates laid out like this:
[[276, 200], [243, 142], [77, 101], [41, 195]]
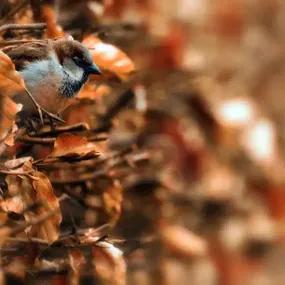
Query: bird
[[54, 71]]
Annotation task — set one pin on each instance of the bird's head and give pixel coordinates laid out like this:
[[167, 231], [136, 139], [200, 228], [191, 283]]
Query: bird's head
[[75, 57]]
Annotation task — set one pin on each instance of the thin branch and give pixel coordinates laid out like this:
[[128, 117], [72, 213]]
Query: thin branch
[[48, 131], [25, 240], [18, 42], [50, 141], [36, 140], [97, 138], [35, 26]]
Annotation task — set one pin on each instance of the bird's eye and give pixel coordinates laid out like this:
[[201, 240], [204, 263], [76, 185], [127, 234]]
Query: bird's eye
[[79, 61], [76, 59]]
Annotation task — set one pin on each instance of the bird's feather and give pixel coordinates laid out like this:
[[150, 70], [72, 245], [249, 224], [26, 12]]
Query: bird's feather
[[25, 53]]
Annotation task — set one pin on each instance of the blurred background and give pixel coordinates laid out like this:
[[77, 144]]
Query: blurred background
[[213, 76]]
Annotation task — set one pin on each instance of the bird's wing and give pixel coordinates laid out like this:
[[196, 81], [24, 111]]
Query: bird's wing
[[26, 53]]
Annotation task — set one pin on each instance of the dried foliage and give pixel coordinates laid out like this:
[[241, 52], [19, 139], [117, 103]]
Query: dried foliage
[[168, 168]]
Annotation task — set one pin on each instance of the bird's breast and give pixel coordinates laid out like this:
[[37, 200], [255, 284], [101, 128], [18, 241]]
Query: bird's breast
[[44, 79]]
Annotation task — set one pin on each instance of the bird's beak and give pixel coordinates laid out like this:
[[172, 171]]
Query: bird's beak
[[93, 69]]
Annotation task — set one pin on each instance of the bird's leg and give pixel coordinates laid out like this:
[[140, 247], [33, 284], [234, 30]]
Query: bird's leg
[[51, 115], [51, 124]]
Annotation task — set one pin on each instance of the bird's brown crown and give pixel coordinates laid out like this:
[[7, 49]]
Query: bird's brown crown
[[66, 48], [36, 51]]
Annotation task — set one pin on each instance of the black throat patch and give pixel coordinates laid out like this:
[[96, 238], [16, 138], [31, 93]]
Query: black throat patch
[[70, 87]]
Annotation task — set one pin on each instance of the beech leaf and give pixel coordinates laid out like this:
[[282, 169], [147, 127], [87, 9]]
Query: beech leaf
[[33, 188], [8, 112], [110, 59], [8, 71], [73, 146], [109, 263]]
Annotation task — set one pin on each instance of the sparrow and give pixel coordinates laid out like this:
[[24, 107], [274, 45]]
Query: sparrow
[[53, 71]]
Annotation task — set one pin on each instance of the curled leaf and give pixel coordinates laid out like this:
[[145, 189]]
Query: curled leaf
[[110, 59], [8, 112], [17, 162], [109, 263], [49, 229], [34, 189], [8, 73], [73, 146]]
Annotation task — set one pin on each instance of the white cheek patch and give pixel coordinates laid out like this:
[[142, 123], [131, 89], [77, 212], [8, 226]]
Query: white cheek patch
[[73, 70]]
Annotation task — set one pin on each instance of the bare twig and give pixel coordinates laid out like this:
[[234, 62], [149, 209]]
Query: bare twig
[[36, 140], [28, 240], [61, 129], [97, 138], [35, 26], [17, 42], [49, 141]]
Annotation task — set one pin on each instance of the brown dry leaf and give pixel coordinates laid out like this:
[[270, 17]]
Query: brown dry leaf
[[73, 146], [109, 263], [10, 84], [182, 242], [15, 203], [8, 111], [10, 139], [53, 29], [30, 189], [110, 59], [48, 230], [18, 162], [8, 73]]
